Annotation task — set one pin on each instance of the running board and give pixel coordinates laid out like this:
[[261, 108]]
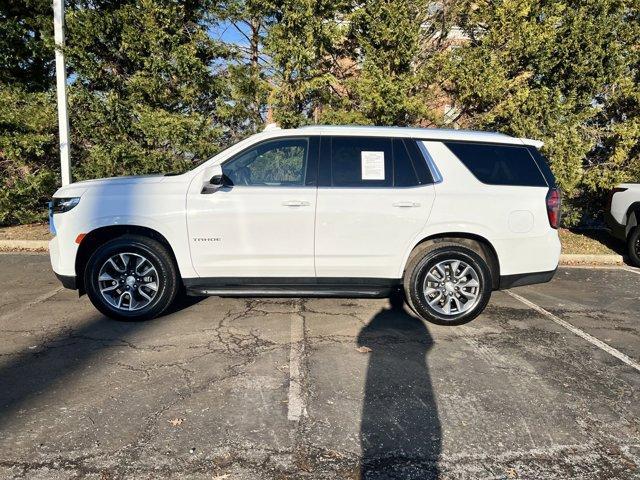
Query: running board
[[291, 287], [272, 291]]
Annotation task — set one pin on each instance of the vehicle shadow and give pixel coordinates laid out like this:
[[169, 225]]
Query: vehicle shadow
[[400, 430], [182, 302]]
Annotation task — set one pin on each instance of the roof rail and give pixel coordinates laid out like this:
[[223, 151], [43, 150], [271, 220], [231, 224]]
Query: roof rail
[[271, 126], [532, 142]]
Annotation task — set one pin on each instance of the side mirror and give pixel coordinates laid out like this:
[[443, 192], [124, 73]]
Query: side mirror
[[216, 182]]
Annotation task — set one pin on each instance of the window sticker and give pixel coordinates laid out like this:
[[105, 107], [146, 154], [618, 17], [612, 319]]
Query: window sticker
[[372, 165]]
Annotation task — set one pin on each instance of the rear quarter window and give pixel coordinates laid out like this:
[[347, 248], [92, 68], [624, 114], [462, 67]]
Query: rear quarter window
[[543, 163], [499, 164]]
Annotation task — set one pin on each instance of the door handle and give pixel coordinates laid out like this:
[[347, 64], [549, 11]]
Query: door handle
[[406, 204], [295, 203]]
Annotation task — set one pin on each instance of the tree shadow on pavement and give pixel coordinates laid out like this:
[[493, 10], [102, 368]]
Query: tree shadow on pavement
[[60, 357], [604, 237], [400, 431]]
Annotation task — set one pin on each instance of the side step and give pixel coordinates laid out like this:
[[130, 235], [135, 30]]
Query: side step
[[367, 292], [345, 288]]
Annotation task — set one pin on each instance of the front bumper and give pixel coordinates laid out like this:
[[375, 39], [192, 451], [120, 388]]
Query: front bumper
[[63, 257], [63, 250]]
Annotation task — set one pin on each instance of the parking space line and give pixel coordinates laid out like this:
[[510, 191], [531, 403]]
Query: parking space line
[[632, 270], [589, 338], [296, 404], [26, 306]]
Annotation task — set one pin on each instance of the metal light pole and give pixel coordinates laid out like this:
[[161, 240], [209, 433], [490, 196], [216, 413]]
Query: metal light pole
[[61, 86]]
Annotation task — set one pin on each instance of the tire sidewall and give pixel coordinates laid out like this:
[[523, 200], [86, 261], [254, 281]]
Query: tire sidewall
[[166, 279], [633, 253], [418, 297]]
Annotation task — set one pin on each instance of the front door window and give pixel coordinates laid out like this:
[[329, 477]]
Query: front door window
[[275, 163]]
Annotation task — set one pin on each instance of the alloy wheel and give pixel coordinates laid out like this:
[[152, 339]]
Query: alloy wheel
[[452, 287], [128, 281]]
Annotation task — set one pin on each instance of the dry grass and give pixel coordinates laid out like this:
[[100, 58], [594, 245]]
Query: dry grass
[[35, 231], [590, 242]]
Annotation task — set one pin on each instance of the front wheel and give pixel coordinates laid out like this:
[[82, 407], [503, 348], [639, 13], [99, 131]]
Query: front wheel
[[447, 284], [634, 246], [131, 278]]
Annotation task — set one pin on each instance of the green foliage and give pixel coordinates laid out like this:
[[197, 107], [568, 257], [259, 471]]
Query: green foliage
[[27, 154], [24, 200], [145, 95], [152, 89], [27, 113], [26, 54], [339, 63], [302, 42], [243, 105], [388, 87], [562, 72]]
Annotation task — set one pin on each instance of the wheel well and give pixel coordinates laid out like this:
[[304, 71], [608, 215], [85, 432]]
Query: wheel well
[[100, 236], [633, 214], [478, 244]]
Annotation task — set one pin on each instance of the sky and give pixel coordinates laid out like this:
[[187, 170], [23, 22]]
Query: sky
[[228, 33]]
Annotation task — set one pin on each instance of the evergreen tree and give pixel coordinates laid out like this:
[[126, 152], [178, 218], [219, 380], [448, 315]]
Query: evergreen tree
[[26, 56], [303, 44], [153, 89], [28, 126], [385, 87], [563, 72], [347, 62], [243, 107], [146, 86]]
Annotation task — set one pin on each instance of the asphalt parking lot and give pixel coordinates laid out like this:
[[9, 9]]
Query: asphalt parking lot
[[321, 388]]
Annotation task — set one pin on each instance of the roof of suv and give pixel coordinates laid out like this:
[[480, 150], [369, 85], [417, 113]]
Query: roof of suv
[[420, 133]]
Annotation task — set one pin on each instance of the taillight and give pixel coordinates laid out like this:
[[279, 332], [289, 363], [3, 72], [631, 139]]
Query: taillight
[[611, 194], [553, 207]]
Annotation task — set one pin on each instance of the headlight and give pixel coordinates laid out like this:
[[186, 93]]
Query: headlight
[[61, 205]]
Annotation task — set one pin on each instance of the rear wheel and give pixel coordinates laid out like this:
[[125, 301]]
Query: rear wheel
[[447, 284], [131, 278], [634, 246]]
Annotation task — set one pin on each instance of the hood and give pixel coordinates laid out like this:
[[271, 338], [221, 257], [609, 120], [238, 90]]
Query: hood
[[78, 188]]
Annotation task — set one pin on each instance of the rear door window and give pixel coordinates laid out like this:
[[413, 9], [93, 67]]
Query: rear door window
[[499, 164], [361, 162], [372, 162]]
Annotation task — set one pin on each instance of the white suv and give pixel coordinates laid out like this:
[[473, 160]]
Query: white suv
[[445, 215], [623, 216]]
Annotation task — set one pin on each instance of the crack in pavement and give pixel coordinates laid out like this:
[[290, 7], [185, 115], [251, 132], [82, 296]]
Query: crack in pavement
[[518, 351], [28, 305], [591, 460]]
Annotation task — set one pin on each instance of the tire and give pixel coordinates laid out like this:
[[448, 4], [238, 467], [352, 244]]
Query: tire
[[633, 245], [424, 261], [127, 261]]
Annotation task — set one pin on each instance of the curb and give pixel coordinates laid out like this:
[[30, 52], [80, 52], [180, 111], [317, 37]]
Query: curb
[[579, 259], [24, 245], [565, 258]]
